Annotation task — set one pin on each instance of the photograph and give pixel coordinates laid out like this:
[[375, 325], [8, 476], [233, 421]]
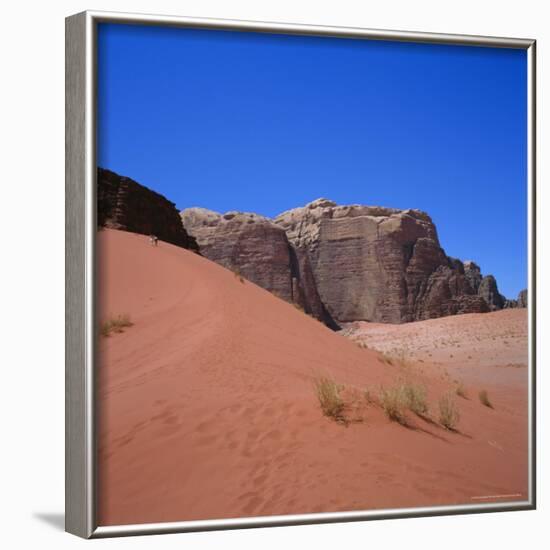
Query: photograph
[[312, 275]]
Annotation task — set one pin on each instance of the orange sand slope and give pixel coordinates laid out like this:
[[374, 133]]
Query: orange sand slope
[[208, 409]]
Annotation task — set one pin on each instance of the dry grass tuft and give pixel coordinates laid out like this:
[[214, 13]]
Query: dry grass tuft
[[415, 396], [484, 399], [328, 394], [115, 324], [369, 397], [448, 412], [394, 403], [460, 390]]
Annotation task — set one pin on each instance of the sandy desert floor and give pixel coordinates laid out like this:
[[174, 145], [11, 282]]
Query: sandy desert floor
[[487, 349], [208, 408]]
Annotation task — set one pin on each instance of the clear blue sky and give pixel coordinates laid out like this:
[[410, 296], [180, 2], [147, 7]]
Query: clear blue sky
[[264, 123]]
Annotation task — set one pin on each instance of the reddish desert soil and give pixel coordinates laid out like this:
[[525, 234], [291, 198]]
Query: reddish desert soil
[[208, 408], [488, 349]]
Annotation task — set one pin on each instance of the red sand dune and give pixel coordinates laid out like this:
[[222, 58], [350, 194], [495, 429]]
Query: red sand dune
[[208, 409]]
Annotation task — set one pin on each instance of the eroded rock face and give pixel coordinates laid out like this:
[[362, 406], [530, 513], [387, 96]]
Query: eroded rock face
[[124, 204], [378, 264], [521, 300], [259, 250], [488, 290], [347, 263], [473, 274]]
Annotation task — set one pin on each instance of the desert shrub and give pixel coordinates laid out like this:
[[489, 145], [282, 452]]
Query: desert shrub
[[399, 357], [330, 400], [394, 402], [484, 399], [415, 396], [369, 398], [115, 324], [461, 390], [448, 412]]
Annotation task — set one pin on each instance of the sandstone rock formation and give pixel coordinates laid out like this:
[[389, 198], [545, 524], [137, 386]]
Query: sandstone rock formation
[[473, 274], [347, 263], [521, 300], [256, 248], [124, 204], [488, 290], [379, 264], [486, 287]]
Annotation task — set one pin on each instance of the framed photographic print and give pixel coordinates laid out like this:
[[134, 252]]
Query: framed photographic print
[[300, 282]]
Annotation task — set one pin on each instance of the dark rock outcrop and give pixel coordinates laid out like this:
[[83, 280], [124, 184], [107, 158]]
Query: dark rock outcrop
[[124, 204]]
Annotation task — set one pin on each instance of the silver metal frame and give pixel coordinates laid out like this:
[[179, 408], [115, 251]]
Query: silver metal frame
[[80, 182]]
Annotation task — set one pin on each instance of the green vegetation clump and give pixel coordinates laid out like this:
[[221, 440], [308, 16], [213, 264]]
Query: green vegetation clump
[[115, 324]]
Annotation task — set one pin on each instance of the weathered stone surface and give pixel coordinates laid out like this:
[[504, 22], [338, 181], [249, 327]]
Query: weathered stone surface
[[347, 263], [522, 298], [378, 264], [488, 290], [124, 204], [473, 274], [259, 250]]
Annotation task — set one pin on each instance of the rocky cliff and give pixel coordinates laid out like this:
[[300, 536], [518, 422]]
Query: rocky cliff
[[485, 286], [347, 263], [124, 204], [258, 249], [520, 301], [379, 264]]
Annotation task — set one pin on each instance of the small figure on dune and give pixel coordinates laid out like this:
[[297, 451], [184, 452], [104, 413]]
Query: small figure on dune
[[154, 240]]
